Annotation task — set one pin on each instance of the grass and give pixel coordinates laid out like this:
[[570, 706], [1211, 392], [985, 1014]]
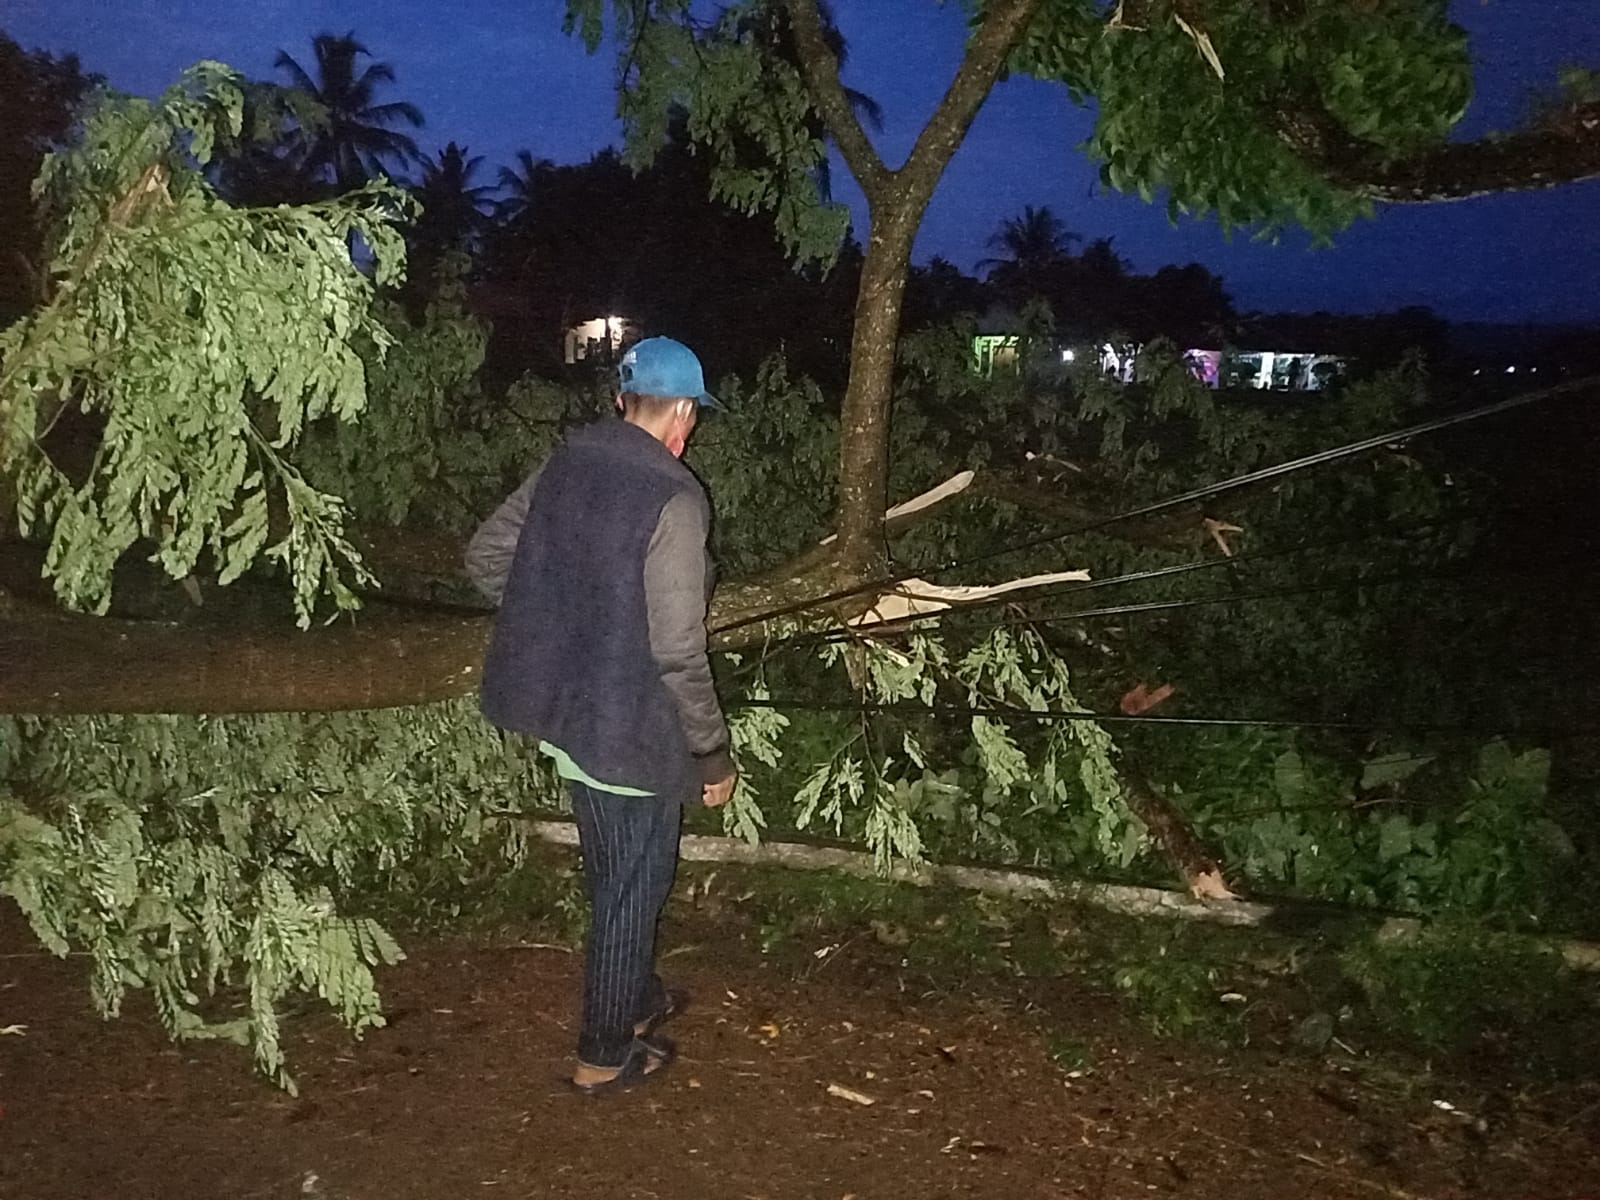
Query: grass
[[1458, 991]]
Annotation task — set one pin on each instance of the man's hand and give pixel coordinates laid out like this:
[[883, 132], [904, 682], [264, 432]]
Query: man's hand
[[717, 794]]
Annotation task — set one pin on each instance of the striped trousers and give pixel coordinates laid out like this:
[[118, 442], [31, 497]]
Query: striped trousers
[[630, 854]]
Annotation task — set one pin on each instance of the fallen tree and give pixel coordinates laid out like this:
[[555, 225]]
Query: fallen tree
[[210, 494], [193, 406], [204, 472], [394, 654]]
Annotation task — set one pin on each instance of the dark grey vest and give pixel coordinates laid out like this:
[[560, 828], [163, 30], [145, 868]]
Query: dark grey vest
[[570, 658]]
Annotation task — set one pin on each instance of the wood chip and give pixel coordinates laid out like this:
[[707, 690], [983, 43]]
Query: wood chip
[[850, 1094]]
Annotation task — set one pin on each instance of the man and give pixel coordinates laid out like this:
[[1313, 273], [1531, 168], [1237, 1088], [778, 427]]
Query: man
[[600, 568]]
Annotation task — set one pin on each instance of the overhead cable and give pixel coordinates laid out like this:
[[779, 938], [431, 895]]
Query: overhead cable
[[1278, 470], [1009, 713], [1012, 599], [1458, 574]]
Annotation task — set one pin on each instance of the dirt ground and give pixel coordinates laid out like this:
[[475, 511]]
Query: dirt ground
[[462, 1096]]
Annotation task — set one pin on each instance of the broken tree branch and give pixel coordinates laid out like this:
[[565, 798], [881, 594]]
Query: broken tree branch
[[1545, 155], [821, 71]]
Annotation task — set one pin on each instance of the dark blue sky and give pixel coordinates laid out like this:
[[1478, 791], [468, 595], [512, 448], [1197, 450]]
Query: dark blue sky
[[499, 76]]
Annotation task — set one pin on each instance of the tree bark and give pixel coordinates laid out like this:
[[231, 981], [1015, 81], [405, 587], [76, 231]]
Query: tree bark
[[896, 201], [404, 649], [62, 664], [1543, 156], [864, 419], [1175, 836]]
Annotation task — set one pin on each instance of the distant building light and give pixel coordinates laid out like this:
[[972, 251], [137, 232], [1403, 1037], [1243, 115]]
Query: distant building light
[[1068, 355], [598, 336], [1477, 370], [991, 350], [1511, 370]]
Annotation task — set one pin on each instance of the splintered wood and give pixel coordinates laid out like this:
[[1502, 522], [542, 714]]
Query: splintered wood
[[955, 485], [918, 598]]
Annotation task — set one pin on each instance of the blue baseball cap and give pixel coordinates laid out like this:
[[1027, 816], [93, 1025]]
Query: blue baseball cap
[[660, 366]]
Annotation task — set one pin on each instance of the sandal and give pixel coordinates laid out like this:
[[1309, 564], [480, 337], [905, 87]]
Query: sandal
[[676, 1000], [635, 1069]]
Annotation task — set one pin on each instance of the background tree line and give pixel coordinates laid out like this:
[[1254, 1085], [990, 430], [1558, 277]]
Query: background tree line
[[549, 245]]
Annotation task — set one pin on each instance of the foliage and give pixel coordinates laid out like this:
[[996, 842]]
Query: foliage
[[1577, 89], [406, 458], [1174, 996], [1404, 830], [1197, 109], [211, 860], [189, 344], [690, 267], [979, 786], [453, 206], [1388, 78], [1454, 986], [354, 137], [1291, 814], [1035, 239], [772, 462], [746, 107], [1401, 516]]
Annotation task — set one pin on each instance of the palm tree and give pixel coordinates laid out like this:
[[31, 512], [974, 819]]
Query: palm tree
[[351, 146], [453, 207], [1100, 262], [1102, 282], [522, 186], [1031, 243], [264, 165]]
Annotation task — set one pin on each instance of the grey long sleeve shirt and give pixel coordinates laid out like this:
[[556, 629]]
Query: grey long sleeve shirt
[[677, 584]]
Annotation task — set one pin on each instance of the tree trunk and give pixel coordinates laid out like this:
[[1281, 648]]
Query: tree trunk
[[896, 200], [865, 419], [62, 664], [403, 649], [54, 663]]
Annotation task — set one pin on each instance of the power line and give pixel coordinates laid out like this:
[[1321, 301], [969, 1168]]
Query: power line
[[1151, 606], [1009, 713], [1072, 589], [1201, 493], [1459, 574]]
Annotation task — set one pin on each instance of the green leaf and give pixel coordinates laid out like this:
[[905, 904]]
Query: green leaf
[[1289, 776], [1391, 768], [1394, 838]]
